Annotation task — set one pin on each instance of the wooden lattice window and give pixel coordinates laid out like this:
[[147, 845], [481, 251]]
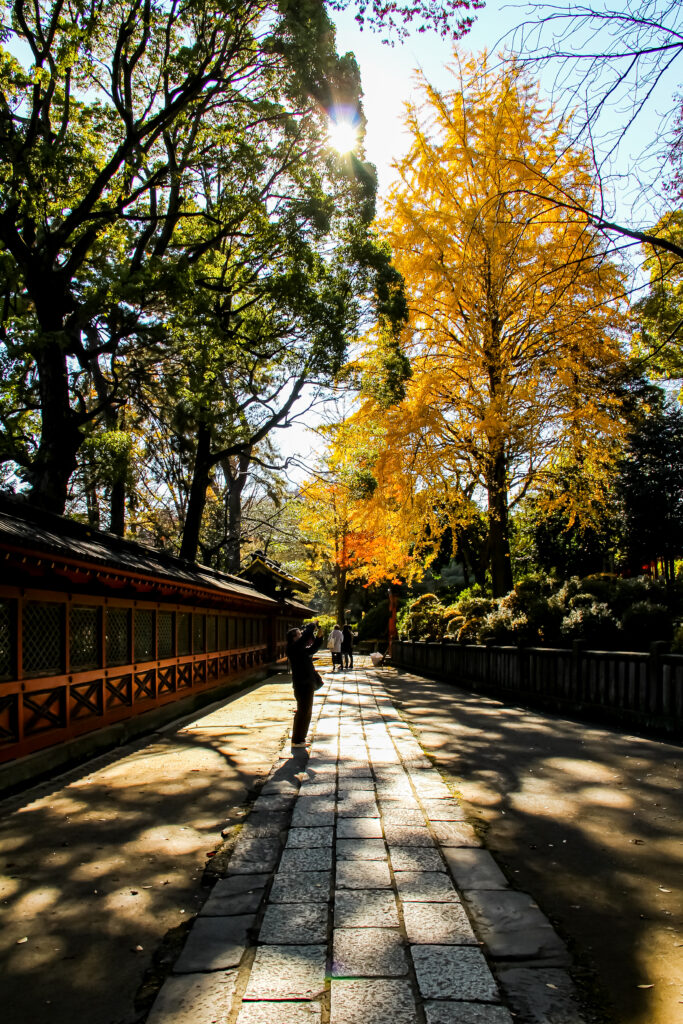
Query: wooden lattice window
[[198, 637], [165, 646], [84, 637], [144, 634], [7, 639], [43, 638], [184, 633], [118, 636], [211, 633]]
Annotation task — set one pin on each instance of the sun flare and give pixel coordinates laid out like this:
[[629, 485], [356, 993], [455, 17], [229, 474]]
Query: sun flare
[[343, 136]]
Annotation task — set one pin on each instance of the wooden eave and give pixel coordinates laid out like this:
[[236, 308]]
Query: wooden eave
[[81, 573]]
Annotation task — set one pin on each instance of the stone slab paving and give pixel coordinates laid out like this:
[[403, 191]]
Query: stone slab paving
[[359, 894]]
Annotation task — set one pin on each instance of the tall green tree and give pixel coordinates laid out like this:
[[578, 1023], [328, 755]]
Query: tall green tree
[[650, 488], [107, 130], [658, 340]]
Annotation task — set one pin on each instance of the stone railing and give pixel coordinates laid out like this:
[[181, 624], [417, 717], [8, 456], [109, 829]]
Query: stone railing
[[630, 688]]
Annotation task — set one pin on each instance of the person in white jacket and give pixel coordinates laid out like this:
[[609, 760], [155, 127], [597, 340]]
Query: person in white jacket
[[335, 645]]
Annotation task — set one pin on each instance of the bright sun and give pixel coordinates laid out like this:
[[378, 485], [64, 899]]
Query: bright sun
[[343, 136]]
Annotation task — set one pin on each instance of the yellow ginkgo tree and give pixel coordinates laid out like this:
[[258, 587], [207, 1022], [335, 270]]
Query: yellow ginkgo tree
[[516, 314]]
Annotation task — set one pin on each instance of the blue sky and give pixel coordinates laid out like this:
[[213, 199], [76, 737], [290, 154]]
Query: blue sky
[[388, 82]]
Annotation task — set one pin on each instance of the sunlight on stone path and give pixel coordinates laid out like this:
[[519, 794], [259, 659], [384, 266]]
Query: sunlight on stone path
[[362, 924]]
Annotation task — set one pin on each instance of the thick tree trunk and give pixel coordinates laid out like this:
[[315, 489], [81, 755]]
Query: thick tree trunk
[[235, 477], [499, 528], [93, 507], [117, 494], [197, 498], [60, 438]]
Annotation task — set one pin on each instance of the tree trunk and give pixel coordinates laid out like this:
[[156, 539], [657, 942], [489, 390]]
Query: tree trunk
[[60, 437], [117, 508], [197, 499], [93, 507], [499, 528], [235, 478], [341, 594], [117, 493]]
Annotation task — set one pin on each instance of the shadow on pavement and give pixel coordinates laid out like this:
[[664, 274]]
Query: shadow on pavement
[[97, 871], [587, 820]]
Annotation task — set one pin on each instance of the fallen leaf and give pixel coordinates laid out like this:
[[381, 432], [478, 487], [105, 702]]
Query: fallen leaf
[[25, 939], [647, 986], [662, 889], [549, 985]]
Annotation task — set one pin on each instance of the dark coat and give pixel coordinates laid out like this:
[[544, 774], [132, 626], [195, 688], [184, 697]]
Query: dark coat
[[347, 642], [300, 654]]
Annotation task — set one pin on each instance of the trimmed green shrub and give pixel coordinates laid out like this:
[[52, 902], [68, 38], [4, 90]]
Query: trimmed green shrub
[[475, 607], [469, 631], [627, 592], [505, 626], [422, 619], [677, 642], [453, 626], [375, 622], [644, 622], [596, 625]]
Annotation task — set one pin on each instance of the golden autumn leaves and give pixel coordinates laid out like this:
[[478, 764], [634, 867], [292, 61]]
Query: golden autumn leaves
[[516, 313]]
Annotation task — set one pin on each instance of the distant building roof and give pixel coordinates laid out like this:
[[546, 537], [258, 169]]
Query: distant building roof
[[269, 575]]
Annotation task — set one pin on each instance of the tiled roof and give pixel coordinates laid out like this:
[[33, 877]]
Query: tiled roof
[[260, 563], [23, 527]]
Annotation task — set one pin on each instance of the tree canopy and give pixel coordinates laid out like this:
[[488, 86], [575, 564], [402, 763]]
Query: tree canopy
[[515, 312], [181, 251]]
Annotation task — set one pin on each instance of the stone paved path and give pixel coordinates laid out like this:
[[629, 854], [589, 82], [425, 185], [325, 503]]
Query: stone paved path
[[340, 906]]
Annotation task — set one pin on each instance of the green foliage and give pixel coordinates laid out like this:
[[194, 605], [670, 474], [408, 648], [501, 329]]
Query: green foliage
[[375, 622], [602, 611], [109, 455], [177, 232], [453, 625], [677, 642], [550, 537], [422, 619], [595, 624], [362, 485], [385, 372], [645, 622], [504, 625], [476, 590], [660, 312], [326, 623], [469, 632], [475, 607], [650, 487]]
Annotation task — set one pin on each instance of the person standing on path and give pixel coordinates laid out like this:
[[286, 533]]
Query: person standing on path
[[347, 646], [335, 646], [302, 644]]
